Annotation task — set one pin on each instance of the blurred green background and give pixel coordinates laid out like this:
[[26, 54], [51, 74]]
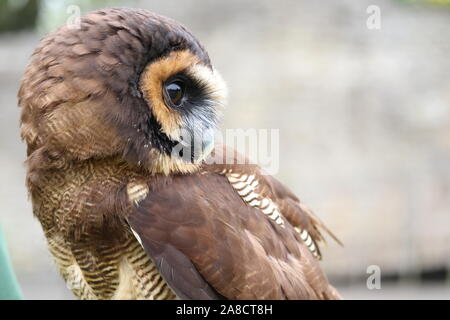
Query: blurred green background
[[364, 119]]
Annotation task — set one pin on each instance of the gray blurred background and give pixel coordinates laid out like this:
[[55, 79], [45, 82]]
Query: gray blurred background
[[364, 119]]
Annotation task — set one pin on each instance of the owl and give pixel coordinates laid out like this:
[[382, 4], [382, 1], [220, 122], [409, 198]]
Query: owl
[[126, 212]]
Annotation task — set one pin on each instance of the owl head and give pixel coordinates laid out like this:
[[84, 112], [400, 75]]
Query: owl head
[[125, 83]]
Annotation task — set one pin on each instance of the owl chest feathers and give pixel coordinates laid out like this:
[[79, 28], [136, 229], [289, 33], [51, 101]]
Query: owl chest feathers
[[83, 218]]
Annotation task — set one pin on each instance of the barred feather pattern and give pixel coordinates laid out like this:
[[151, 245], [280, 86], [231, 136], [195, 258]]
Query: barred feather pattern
[[246, 186], [111, 272], [94, 266]]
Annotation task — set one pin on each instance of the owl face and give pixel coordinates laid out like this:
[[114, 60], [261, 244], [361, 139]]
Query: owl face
[[186, 98], [127, 83]]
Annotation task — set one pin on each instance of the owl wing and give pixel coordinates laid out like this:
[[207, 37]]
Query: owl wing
[[208, 243], [305, 222], [255, 188]]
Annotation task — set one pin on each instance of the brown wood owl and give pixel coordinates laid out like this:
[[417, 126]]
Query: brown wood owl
[[126, 216]]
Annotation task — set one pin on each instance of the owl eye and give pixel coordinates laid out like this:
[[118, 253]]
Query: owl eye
[[174, 92]]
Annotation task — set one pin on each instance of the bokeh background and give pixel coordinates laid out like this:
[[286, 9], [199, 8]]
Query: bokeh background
[[364, 119]]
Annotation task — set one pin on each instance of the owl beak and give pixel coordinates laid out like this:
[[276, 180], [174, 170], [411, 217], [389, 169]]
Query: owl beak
[[196, 145], [207, 146], [204, 144]]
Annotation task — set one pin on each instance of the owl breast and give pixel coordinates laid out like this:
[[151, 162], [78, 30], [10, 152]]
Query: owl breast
[[116, 271], [95, 252]]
